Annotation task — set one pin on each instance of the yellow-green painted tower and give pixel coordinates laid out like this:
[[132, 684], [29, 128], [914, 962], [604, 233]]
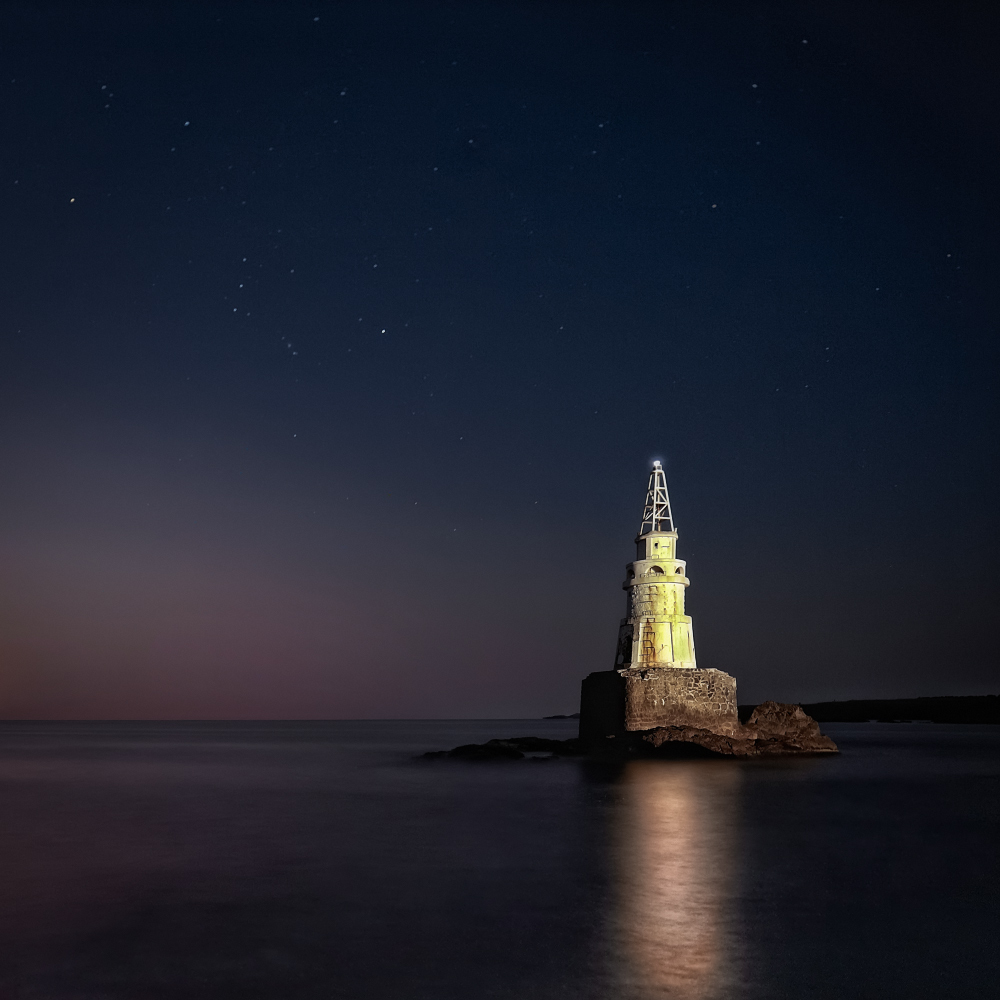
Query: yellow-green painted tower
[[655, 681], [655, 632]]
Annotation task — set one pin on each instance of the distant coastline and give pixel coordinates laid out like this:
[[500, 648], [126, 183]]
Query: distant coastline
[[954, 709]]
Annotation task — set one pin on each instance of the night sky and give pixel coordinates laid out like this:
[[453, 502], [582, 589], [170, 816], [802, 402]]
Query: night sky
[[337, 341]]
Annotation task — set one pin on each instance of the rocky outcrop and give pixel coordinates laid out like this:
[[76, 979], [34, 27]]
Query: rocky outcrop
[[513, 749], [787, 725], [774, 730]]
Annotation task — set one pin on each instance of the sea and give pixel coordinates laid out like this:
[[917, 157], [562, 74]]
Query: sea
[[259, 860]]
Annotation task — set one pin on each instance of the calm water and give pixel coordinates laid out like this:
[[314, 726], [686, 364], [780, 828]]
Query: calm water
[[286, 860]]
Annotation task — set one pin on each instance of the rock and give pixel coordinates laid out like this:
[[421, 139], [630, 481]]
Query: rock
[[674, 742], [667, 740], [774, 730], [494, 750], [513, 749], [538, 744], [772, 720], [781, 729]]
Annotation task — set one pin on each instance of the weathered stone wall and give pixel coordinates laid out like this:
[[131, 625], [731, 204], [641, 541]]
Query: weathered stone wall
[[670, 696], [615, 701]]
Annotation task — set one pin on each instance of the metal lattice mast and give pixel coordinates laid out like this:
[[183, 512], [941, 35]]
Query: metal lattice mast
[[656, 515]]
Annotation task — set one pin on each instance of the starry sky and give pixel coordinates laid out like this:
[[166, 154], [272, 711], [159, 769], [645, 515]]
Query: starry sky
[[338, 338]]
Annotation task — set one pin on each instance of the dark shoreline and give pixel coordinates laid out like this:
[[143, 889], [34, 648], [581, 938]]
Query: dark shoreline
[[970, 709]]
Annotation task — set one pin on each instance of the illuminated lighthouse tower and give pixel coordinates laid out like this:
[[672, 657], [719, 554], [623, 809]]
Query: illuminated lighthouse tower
[[655, 680], [655, 632]]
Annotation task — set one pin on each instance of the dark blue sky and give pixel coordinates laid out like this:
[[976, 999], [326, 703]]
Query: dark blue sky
[[338, 338]]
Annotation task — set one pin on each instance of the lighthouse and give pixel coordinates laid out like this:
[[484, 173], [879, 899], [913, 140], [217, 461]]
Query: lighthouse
[[655, 632], [656, 680]]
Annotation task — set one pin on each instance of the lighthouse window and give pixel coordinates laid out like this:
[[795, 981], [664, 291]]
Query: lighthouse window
[[679, 570], [656, 545]]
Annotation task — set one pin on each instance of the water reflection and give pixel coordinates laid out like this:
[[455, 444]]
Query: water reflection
[[674, 863]]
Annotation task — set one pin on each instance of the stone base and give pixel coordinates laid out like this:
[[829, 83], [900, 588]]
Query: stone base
[[613, 702], [671, 696]]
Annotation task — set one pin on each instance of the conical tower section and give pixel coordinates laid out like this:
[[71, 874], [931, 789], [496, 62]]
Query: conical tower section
[[655, 631]]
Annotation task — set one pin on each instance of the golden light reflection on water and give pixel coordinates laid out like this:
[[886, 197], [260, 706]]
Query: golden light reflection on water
[[674, 862]]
